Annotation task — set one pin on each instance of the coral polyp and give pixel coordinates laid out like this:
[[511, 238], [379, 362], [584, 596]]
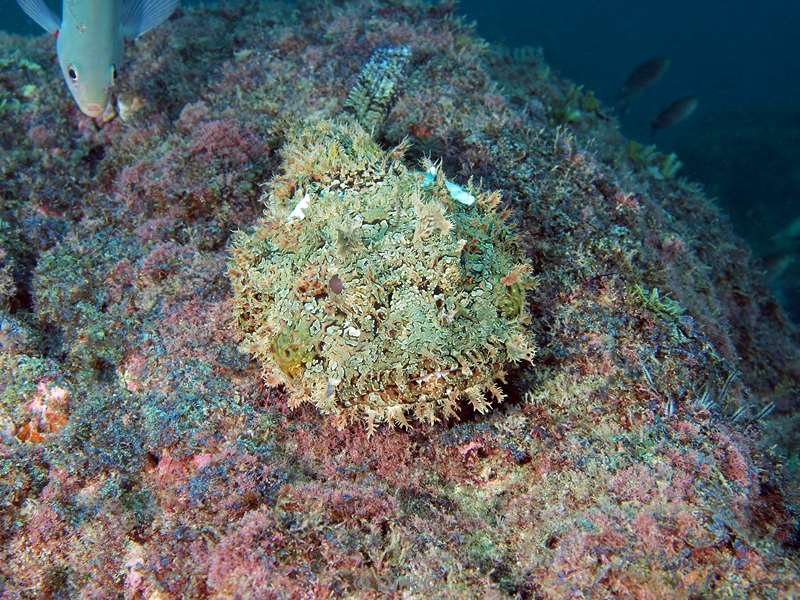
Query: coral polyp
[[383, 299]]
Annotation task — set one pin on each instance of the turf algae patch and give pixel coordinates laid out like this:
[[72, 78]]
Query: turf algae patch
[[373, 296]]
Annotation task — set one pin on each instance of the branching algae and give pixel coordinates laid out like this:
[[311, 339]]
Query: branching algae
[[374, 294]]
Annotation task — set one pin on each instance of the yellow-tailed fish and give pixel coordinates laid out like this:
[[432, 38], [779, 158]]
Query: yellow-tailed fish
[[89, 40]]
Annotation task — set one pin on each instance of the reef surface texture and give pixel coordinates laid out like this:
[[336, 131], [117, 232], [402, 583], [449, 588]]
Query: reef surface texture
[[597, 394]]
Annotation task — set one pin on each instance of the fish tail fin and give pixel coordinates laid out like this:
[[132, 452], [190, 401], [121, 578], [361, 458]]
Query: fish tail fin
[[41, 13], [140, 16]]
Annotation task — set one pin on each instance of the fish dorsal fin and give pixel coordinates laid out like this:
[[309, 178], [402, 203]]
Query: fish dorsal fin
[[41, 13], [140, 16]]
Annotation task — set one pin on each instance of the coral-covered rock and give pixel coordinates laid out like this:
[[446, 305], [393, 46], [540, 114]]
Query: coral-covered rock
[[649, 451]]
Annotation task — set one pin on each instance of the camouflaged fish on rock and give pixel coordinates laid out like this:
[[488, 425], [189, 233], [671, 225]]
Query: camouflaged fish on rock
[[376, 292], [90, 37]]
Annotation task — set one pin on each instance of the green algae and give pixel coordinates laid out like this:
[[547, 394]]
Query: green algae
[[291, 348], [659, 303]]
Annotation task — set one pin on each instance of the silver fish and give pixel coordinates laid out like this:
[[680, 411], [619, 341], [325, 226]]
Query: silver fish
[[89, 41]]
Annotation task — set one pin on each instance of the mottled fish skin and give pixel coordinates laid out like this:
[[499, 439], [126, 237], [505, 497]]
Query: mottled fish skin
[[643, 76], [678, 111], [90, 41]]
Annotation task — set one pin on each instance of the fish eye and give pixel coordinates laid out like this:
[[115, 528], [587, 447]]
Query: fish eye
[[73, 73]]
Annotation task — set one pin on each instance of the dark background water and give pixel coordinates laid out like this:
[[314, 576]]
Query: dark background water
[[740, 58]]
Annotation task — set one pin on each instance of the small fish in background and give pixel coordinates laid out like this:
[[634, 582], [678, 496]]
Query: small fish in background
[[642, 77], [778, 264], [788, 238], [89, 41], [678, 111], [783, 276], [781, 260]]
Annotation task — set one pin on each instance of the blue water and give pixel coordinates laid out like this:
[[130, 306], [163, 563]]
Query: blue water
[[740, 58], [730, 53]]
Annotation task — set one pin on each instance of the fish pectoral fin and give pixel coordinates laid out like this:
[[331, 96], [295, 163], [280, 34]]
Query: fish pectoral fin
[[140, 16], [41, 13]]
